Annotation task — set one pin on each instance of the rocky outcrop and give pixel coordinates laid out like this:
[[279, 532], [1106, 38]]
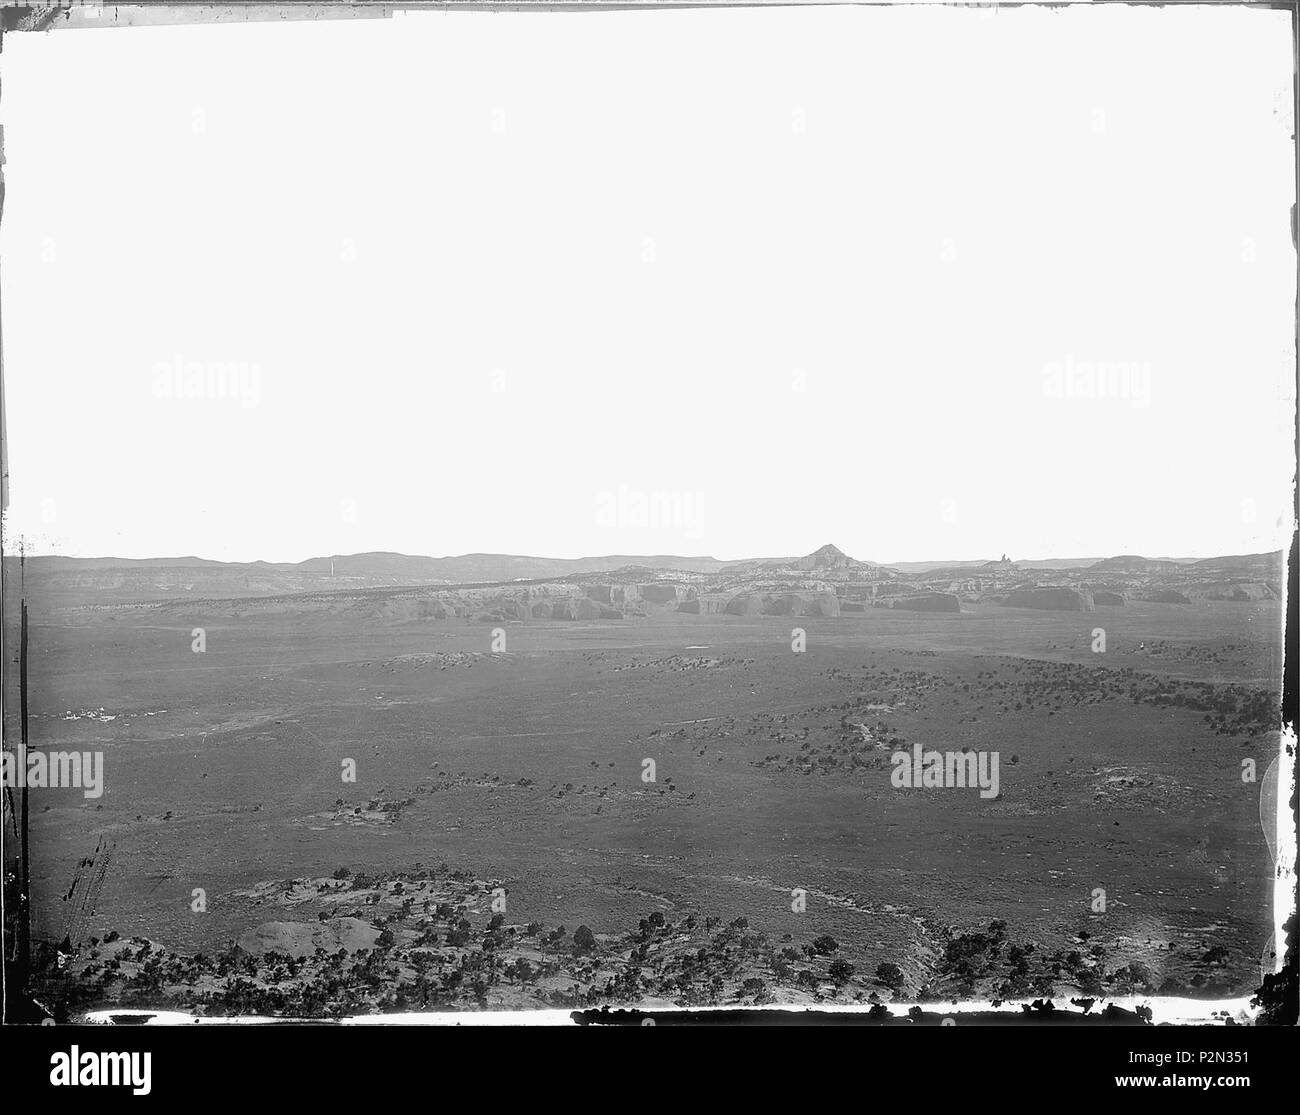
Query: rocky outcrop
[[922, 602], [565, 609], [658, 594], [786, 605], [744, 605], [582, 608], [825, 604], [301, 939], [1050, 599], [1240, 592]]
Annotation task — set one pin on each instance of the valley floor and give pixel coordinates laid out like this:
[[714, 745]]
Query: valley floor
[[234, 868]]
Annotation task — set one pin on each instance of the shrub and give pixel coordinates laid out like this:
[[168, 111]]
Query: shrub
[[840, 970], [889, 975]]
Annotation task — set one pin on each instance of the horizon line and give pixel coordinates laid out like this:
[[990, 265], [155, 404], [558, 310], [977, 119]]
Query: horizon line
[[7, 554]]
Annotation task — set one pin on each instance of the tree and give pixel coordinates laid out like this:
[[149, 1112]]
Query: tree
[[840, 970], [890, 975], [584, 940]]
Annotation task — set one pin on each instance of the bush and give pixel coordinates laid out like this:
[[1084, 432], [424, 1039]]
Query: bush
[[889, 975], [1136, 976], [840, 970]]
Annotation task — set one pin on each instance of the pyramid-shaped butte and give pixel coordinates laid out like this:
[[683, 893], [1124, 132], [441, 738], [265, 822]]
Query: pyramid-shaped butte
[[829, 555], [829, 558]]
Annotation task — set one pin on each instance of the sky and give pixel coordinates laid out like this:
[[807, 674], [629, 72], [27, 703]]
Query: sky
[[926, 284]]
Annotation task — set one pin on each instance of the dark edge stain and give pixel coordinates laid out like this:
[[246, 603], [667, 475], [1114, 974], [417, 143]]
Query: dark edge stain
[[1039, 1012], [1278, 996]]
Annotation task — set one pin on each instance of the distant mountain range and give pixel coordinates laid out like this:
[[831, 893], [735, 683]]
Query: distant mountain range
[[384, 564], [827, 569]]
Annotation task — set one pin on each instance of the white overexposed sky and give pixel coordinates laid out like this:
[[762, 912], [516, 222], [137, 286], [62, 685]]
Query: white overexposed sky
[[708, 282]]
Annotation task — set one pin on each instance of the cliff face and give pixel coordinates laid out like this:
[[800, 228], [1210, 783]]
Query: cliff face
[[658, 594], [923, 602], [745, 604], [1050, 599]]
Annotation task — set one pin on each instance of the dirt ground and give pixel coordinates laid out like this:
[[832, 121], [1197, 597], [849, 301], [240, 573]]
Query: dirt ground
[[1121, 772]]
